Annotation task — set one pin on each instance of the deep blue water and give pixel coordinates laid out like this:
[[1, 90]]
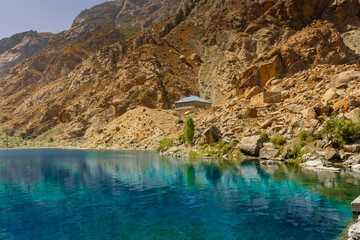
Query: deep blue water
[[54, 194]]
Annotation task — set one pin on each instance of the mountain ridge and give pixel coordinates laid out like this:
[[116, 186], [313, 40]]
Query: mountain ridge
[[219, 50], [20, 47]]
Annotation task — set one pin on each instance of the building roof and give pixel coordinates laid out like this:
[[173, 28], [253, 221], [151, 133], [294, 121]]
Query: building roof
[[192, 98]]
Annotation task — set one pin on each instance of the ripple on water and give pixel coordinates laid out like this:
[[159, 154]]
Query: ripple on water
[[140, 195]]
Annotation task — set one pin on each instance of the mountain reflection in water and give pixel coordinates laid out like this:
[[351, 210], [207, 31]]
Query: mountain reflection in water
[[141, 195]]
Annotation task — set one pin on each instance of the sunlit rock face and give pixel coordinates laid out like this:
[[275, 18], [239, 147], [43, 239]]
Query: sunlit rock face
[[123, 55], [21, 46]]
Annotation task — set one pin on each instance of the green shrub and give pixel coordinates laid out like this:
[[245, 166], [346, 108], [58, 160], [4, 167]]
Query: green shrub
[[295, 151], [32, 136], [303, 138], [189, 129], [264, 137], [194, 155], [165, 143], [181, 139], [278, 140], [341, 131], [23, 135], [51, 140]]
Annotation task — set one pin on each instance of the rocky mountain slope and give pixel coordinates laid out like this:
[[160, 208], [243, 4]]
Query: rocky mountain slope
[[21, 46], [120, 55]]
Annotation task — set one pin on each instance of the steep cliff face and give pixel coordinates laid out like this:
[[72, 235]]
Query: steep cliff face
[[35, 93], [21, 46], [102, 68], [128, 15], [255, 41]]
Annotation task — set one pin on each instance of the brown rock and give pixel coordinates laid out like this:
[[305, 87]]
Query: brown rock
[[266, 124], [329, 95], [323, 109], [331, 154], [247, 113], [251, 145], [212, 134], [269, 153], [196, 59], [309, 114], [266, 97], [253, 91], [353, 148]]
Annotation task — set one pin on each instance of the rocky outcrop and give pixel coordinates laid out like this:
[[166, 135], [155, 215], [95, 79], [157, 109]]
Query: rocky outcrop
[[129, 14], [251, 145], [21, 46], [117, 58]]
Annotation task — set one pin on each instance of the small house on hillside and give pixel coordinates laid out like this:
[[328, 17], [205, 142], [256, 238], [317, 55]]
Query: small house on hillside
[[192, 102]]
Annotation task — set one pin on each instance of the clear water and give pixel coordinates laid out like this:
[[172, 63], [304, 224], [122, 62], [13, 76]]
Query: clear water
[[53, 194]]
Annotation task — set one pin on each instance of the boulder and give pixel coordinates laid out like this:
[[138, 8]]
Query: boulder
[[212, 134], [356, 167], [308, 157], [253, 91], [329, 95], [314, 123], [323, 109], [352, 161], [251, 145], [309, 114], [331, 154], [354, 231], [266, 97], [269, 153], [247, 113], [277, 88], [313, 163], [277, 128], [266, 124], [352, 148], [343, 78]]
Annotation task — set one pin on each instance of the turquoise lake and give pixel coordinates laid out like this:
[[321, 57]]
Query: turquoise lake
[[58, 194]]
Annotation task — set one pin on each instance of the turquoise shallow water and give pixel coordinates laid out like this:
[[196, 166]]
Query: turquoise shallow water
[[54, 194]]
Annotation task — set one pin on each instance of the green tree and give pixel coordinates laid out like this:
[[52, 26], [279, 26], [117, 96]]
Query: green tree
[[23, 135], [189, 129]]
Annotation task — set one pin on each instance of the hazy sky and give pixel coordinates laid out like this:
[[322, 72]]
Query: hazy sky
[[41, 15]]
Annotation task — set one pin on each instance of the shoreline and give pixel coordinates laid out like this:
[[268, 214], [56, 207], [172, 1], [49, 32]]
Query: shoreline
[[74, 148]]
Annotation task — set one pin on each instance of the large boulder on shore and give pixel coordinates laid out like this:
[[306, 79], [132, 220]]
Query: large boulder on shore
[[331, 154], [354, 231], [352, 148], [212, 134], [251, 145], [269, 153]]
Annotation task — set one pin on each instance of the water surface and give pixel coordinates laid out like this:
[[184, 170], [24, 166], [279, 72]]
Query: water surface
[[55, 194]]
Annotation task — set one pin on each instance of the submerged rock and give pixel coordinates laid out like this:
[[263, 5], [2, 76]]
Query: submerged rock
[[268, 162]]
